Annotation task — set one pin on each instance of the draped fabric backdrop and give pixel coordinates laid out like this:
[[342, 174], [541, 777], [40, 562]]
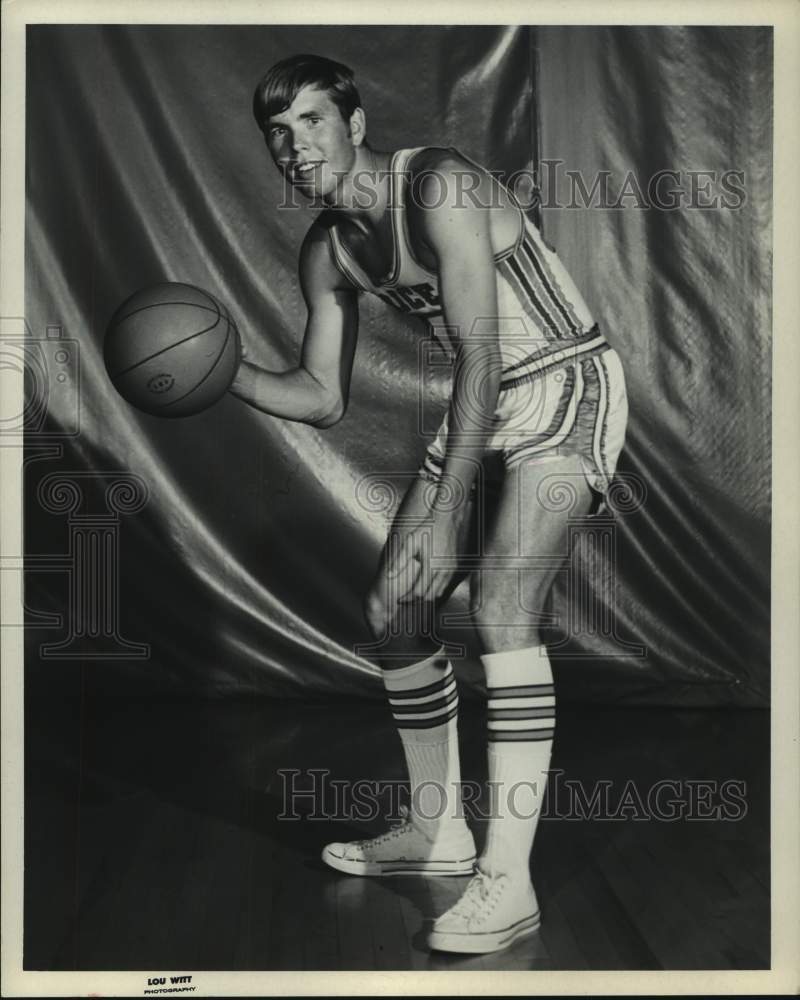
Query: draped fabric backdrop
[[685, 296], [246, 568]]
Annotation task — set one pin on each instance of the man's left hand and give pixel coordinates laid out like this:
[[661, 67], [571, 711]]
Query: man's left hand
[[427, 559]]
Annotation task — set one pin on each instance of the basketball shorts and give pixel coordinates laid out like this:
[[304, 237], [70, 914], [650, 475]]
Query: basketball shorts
[[580, 408]]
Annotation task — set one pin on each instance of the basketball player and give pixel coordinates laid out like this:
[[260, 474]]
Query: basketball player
[[536, 391]]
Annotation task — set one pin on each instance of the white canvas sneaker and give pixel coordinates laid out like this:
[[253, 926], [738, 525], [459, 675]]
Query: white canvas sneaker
[[406, 850], [492, 914]]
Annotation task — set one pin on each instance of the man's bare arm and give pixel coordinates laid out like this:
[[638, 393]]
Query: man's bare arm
[[458, 232], [317, 389], [460, 238]]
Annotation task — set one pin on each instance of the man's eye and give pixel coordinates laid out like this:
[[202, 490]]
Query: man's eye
[[276, 131], [314, 120]]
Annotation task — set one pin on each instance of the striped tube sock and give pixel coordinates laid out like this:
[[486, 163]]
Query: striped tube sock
[[521, 723], [424, 702]]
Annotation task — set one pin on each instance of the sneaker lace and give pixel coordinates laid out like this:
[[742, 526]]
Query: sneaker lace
[[404, 826], [475, 895]]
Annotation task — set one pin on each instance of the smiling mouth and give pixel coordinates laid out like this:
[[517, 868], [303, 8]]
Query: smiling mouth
[[304, 171]]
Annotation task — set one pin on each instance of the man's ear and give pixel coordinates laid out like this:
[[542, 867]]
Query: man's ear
[[358, 126]]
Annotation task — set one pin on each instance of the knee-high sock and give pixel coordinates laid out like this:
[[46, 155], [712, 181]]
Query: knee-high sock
[[521, 722], [424, 702]]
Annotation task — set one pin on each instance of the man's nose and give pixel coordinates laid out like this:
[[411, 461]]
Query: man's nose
[[298, 142]]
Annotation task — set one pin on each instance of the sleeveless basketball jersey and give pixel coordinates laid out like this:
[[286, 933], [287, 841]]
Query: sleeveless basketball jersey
[[544, 321]]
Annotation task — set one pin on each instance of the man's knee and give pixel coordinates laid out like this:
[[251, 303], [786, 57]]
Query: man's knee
[[488, 613], [509, 605], [485, 603]]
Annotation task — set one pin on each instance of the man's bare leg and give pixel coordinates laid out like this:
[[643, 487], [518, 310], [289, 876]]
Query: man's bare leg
[[423, 698], [500, 905]]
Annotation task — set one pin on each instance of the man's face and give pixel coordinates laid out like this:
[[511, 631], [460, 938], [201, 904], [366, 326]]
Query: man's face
[[311, 143]]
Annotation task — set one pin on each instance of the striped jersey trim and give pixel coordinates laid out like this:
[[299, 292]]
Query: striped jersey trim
[[601, 425], [525, 266], [537, 291], [569, 324]]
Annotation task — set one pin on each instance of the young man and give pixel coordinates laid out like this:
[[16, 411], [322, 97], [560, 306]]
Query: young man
[[536, 388]]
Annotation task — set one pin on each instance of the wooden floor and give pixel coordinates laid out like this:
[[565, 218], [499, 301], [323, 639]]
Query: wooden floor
[[153, 841]]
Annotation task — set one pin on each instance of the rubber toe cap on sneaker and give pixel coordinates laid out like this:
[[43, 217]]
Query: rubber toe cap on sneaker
[[335, 850], [450, 923]]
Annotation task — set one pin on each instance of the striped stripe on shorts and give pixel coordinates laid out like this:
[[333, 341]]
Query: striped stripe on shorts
[[557, 408]]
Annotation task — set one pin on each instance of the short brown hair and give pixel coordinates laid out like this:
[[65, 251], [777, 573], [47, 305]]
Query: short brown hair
[[280, 85]]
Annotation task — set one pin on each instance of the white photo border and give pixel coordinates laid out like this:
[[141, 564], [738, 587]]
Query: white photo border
[[784, 16]]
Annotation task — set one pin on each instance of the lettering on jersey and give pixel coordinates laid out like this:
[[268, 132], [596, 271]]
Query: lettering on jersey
[[420, 300]]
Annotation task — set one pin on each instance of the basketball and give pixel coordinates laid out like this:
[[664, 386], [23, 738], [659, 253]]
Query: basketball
[[171, 350]]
